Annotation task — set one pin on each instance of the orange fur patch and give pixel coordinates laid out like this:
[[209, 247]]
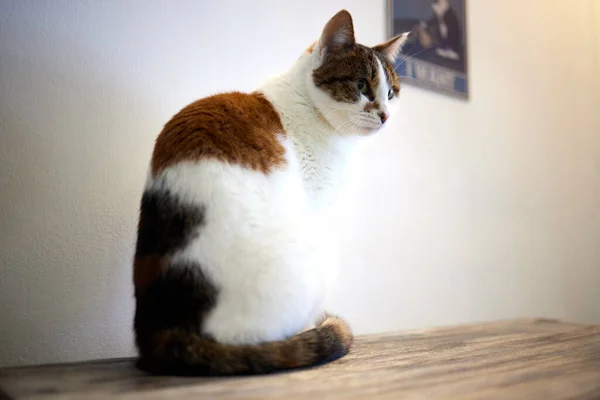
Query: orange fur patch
[[311, 48], [235, 127]]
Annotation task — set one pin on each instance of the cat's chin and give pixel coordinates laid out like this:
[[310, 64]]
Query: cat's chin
[[365, 131], [371, 130], [359, 130]]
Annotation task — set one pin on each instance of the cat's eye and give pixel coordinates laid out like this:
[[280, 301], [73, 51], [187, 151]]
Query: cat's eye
[[362, 87], [390, 94]]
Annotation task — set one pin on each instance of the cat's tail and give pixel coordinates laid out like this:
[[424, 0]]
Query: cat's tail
[[182, 352]]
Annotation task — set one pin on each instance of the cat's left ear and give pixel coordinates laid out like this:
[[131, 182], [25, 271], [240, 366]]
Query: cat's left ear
[[338, 34], [391, 48]]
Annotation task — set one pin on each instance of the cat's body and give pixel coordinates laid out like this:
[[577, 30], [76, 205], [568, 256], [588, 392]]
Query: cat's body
[[234, 259]]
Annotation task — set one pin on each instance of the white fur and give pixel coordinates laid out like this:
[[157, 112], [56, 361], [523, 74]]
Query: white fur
[[260, 245], [381, 94], [265, 242], [321, 148]]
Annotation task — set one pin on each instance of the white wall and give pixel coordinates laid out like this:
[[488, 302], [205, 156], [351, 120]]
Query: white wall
[[463, 211]]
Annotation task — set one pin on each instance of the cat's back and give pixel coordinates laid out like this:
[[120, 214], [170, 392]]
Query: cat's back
[[236, 128], [225, 194]]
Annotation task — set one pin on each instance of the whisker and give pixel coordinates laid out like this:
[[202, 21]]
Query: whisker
[[349, 120], [333, 111], [418, 82], [404, 60]]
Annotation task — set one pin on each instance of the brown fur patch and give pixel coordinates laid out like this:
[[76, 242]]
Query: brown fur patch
[[371, 106], [146, 268], [233, 127], [342, 330], [340, 73], [310, 48]]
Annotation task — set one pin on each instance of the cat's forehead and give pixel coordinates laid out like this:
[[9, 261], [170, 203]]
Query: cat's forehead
[[361, 59], [358, 61], [338, 74]]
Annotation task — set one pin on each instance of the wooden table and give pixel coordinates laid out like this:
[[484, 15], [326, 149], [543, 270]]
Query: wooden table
[[525, 359]]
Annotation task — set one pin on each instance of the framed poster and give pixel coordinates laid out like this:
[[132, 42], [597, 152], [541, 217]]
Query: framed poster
[[435, 55]]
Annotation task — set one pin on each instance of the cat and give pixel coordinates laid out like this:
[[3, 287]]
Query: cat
[[233, 259]]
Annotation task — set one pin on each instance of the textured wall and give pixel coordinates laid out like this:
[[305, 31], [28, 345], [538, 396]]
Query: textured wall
[[462, 211]]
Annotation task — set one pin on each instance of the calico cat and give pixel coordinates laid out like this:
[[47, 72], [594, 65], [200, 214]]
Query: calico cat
[[233, 258]]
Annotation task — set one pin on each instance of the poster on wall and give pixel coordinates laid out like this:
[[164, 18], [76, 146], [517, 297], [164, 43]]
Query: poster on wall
[[435, 55]]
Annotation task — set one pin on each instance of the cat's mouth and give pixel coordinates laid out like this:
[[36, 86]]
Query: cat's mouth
[[359, 124], [370, 124], [366, 130]]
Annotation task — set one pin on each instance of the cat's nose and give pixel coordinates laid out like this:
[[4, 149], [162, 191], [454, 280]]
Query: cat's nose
[[383, 117]]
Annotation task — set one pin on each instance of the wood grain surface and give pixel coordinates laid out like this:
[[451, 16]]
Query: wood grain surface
[[523, 359]]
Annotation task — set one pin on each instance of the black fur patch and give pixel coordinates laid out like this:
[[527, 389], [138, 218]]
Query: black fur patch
[[177, 297], [181, 295], [181, 298], [165, 225]]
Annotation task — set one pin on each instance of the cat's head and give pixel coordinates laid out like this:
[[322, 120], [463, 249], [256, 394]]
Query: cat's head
[[354, 87]]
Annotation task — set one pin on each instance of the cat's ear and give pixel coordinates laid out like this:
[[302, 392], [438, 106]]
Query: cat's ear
[[391, 48], [338, 34]]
